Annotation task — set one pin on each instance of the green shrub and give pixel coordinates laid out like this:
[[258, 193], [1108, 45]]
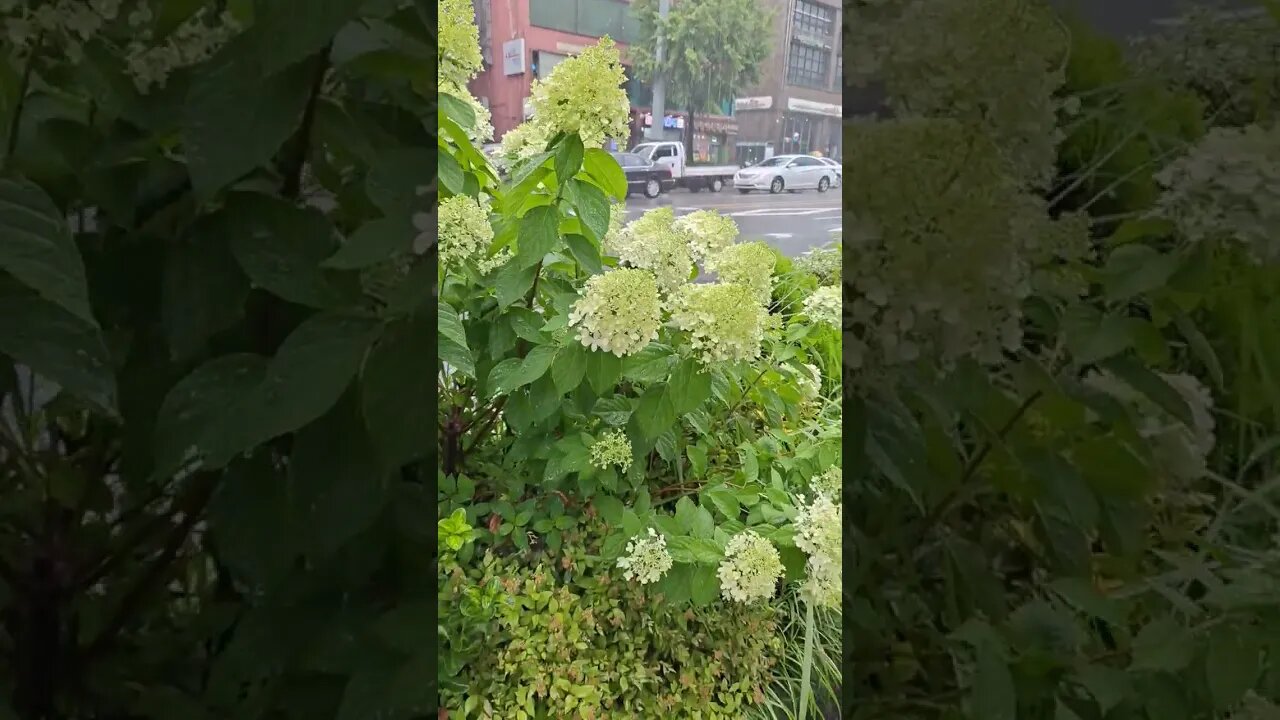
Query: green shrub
[[567, 637]]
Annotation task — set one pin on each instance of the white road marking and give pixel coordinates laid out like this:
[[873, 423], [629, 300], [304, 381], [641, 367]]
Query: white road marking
[[777, 212], [836, 229], [780, 236]]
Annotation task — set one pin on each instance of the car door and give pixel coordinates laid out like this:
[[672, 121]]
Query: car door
[[793, 174]]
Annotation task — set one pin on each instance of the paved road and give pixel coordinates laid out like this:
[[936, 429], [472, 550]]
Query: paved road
[[791, 222]]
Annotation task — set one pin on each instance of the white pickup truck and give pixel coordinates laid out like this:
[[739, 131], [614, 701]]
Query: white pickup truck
[[695, 177]]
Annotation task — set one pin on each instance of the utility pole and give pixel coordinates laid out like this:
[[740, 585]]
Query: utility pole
[[659, 109]]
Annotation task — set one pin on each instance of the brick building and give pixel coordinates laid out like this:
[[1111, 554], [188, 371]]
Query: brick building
[[797, 105]]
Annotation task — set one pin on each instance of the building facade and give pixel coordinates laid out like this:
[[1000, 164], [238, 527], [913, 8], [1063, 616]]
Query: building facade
[[796, 107], [522, 40]]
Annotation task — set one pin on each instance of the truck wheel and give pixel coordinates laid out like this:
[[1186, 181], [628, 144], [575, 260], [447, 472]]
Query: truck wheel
[[652, 189], [717, 185], [823, 184], [776, 186]]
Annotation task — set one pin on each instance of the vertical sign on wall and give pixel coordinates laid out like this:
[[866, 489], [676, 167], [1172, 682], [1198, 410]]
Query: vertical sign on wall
[[513, 57]]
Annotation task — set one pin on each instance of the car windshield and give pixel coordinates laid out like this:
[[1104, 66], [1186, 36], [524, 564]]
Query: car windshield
[[773, 162]]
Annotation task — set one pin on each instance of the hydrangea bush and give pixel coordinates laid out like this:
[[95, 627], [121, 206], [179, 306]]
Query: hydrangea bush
[[594, 394]]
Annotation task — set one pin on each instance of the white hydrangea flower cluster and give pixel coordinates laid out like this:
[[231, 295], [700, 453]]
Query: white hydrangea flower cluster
[[947, 281], [458, 44], [818, 534], [495, 261], [809, 380], [708, 232], [1227, 189], [724, 321], [829, 482], [750, 569], [823, 306], [750, 264], [652, 242], [69, 25], [465, 232], [613, 448], [584, 94], [647, 559], [618, 311], [994, 64], [460, 61], [195, 40], [824, 262], [1183, 449], [524, 141]]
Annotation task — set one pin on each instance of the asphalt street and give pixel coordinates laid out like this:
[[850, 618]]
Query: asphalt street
[[791, 222]]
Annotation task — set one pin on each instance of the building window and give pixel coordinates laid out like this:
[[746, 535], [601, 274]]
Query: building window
[[813, 20], [590, 18], [839, 76], [807, 65]]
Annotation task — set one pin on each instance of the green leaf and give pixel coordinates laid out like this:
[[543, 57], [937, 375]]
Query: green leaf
[[686, 549], [568, 158], [539, 235], [592, 206], [248, 518], [1108, 686], [285, 32], [1233, 664], [231, 127], [199, 402], [614, 411], [507, 375], [656, 413], [1202, 348], [603, 371], [677, 585], [1163, 645], [397, 174], [453, 347], [585, 252], [606, 172], [204, 288], [281, 247], [374, 242], [339, 488], [723, 499], [686, 514], [690, 386], [37, 249], [610, 508], [512, 283], [704, 585], [457, 110], [55, 344], [1092, 337], [570, 366], [1136, 269], [450, 173], [312, 369], [398, 397], [994, 696], [1137, 376], [697, 460]]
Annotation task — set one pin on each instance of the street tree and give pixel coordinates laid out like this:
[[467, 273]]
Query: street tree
[[714, 49]]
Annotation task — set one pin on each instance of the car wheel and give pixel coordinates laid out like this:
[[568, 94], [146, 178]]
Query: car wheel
[[775, 187], [652, 189], [744, 191], [717, 185], [824, 183]]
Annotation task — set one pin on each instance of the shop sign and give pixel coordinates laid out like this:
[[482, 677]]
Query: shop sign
[[815, 108], [753, 103]]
